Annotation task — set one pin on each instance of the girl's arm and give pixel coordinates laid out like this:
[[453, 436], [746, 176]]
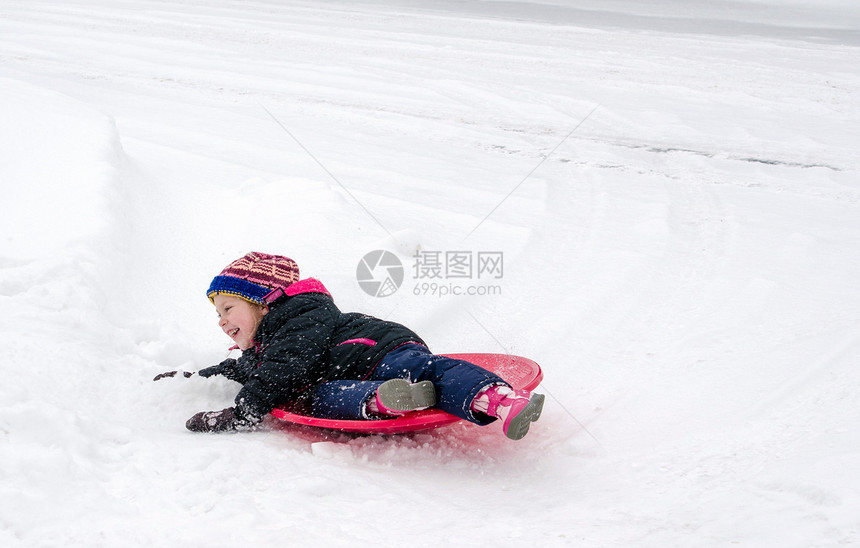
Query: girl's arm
[[294, 359]]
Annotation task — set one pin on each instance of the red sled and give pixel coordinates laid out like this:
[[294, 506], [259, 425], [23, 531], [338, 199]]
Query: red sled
[[521, 373]]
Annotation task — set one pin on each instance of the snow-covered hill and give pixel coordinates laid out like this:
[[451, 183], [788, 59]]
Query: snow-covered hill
[[674, 188]]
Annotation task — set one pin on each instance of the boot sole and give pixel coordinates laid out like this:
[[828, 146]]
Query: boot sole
[[399, 395], [519, 425]]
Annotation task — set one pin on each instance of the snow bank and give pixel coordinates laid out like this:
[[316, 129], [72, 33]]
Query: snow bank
[[59, 159], [61, 163]]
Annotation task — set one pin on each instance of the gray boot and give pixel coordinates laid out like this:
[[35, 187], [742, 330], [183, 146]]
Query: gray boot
[[398, 396]]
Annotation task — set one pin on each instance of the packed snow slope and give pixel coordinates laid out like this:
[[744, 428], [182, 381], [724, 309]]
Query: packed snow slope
[[674, 188]]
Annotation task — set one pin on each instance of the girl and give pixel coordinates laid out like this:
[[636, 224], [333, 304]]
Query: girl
[[299, 348]]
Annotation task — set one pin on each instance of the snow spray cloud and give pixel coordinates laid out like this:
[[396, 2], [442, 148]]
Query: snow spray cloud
[[439, 274]]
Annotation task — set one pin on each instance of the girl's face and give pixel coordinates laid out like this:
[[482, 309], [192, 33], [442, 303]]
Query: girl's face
[[239, 319]]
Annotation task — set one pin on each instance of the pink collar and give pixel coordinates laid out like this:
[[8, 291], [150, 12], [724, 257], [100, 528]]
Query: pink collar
[[308, 285]]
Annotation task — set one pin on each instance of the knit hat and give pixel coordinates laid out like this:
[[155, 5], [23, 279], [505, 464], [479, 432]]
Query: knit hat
[[257, 277]]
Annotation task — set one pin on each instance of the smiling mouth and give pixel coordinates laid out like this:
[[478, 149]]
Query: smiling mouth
[[232, 333]]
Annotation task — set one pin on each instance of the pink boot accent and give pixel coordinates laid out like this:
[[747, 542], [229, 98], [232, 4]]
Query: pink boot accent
[[517, 409]]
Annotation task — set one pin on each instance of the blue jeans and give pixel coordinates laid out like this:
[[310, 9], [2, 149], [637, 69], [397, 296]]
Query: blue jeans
[[457, 382]]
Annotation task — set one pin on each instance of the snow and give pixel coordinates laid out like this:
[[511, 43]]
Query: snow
[[674, 187]]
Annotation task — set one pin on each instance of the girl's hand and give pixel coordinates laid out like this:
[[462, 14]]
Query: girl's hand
[[212, 421], [216, 421], [226, 368]]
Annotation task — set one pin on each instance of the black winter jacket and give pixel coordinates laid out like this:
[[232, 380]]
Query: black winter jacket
[[304, 341]]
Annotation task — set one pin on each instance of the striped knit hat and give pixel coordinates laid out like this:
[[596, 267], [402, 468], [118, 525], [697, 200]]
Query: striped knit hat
[[257, 277]]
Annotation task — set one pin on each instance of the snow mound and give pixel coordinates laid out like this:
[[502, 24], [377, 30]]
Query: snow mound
[[60, 160]]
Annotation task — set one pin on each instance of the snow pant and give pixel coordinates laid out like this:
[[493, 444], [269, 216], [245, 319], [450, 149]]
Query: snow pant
[[457, 382]]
